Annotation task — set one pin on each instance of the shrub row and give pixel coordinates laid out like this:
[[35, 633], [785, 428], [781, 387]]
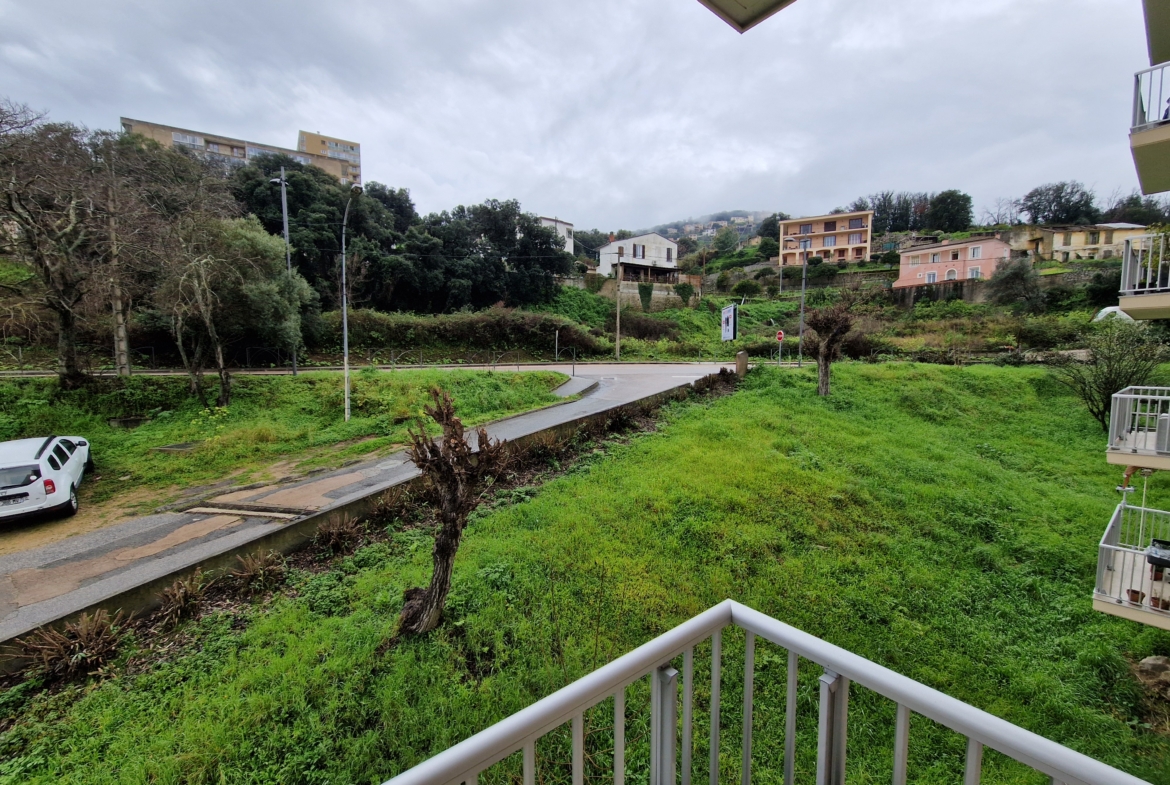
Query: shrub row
[[496, 328]]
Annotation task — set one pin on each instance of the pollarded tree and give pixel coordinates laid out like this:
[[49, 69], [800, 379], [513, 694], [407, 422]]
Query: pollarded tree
[[831, 325], [454, 475]]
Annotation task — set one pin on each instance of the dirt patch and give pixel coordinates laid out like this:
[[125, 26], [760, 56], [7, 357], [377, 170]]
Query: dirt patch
[[44, 529]]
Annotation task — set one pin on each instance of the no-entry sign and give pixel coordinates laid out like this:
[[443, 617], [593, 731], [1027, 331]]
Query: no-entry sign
[[779, 335]]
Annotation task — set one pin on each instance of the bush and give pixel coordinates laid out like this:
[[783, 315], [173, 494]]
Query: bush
[[496, 328], [79, 649], [685, 292], [579, 305], [747, 288], [815, 261], [723, 281], [1102, 290], [822, 271], [842, 264], [645, 294], [1048, 332], [646, 328], [768, 248]]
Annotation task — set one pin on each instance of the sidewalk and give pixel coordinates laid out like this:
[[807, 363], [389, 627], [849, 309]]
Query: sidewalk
[[47, 583]]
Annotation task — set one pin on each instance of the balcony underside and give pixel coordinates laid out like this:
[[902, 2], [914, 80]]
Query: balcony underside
[[1147, 306], [1157, 15], [1151, 156], [1139, 613], [1141, 460]]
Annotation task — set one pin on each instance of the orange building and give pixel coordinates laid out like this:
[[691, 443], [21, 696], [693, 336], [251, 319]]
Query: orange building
[[834, 238]]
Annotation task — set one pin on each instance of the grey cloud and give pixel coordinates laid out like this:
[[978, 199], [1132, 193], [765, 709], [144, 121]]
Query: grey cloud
[[616, 114]]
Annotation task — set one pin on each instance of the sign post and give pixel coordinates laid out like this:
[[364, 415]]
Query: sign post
[[780, 354]]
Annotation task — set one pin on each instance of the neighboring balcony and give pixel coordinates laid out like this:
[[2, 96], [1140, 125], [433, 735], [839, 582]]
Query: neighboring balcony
[[1133, 566], [1145, 278], [1139, 428], [1149, 133]]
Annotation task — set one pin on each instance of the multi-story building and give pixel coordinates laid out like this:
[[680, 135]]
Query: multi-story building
[[961, 260], [647, 257], [563, 228], [338, 157], [834, 238]]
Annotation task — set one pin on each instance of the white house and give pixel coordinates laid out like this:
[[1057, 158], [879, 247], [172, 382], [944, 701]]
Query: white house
[[563, 228], [647, 257]]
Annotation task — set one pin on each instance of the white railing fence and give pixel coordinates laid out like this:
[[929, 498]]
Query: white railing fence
[[1150, 93], [1145, 268], [1124, 574], [1139, 421], [467, 761]]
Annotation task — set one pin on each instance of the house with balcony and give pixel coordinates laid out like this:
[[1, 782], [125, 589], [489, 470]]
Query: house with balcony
[[1149, 133], [974, 259], [648, 258], [843, 237]]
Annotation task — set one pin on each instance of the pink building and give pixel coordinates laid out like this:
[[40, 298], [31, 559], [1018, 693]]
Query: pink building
[[952, 260]]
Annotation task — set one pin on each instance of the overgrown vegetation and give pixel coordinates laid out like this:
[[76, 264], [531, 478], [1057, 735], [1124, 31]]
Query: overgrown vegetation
[[941, 521]]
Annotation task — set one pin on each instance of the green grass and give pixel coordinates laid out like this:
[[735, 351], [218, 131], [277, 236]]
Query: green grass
[[269, 417], [940, 521], [591, 310]]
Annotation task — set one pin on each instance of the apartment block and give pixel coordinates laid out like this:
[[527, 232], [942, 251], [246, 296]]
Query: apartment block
[[338, 157], [834, 238]]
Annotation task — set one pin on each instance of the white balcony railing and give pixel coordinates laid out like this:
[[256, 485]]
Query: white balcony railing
[[1151, 91], [1139, 422], [1133, 564], [1145, 268], [472, 758]]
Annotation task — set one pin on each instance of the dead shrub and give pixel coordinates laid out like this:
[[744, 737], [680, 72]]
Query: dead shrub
[[339, 535], [261, 571], [79, 648], [182, 598]]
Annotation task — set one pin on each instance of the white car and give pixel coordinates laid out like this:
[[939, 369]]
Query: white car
[[42, 474]]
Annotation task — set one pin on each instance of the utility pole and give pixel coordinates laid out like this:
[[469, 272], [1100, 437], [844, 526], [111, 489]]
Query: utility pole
[[800, 335], [288, 250], [121, 338], [617, 335], [355, 191]]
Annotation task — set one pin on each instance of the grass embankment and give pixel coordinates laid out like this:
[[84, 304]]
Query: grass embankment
[[940, 521], [269, 417]]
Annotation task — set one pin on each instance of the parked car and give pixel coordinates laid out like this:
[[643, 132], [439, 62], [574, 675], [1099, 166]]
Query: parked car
[[42, 474]]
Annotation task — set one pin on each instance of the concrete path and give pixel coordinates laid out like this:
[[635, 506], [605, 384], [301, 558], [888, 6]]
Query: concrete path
[[43, 584]]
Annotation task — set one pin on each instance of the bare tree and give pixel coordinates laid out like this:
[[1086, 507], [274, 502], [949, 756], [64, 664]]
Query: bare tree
[[1120, 354], [831, 325], [1006, 212], [454, 476], [47, 182]]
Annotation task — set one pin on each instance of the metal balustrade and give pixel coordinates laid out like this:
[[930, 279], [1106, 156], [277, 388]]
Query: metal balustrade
[[1150, 95], [1139, 421], [1145, 267], [468, 760], [1125, 574]]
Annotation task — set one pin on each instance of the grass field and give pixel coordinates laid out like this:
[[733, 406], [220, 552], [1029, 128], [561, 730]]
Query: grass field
[[940, 521], [270, 417]]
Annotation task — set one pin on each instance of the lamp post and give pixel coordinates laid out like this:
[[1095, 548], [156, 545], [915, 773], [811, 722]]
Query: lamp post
[[356, 190], [287, 248], [617, 333], [803, 287]]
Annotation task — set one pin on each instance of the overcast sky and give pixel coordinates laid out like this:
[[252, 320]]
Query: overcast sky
[[616, 113]]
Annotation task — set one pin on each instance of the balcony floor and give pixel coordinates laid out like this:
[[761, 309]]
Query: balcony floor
[[1130, 571], [1146, 457]]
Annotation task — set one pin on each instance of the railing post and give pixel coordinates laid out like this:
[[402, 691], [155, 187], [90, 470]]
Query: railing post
[[840, 730], [619, 737], [688, 713], [663, 726], [530, 762], [974, 762], [716, 682], [749, 667], [901, 744], [579, 749], [825, 726], [790, 721]]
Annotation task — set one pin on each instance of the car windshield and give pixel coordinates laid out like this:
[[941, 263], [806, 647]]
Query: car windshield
[[16, 476]]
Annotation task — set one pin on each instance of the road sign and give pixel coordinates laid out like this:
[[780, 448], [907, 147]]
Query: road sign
[[730, 323], [779, 335]]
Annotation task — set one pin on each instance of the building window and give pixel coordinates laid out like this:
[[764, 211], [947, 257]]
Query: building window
[[974, 273], [187, 139], [952, 274], [954, 256], [841, 253], [855, 239], [855, 223], [805, 245], [830, 226], [830, 241], [1109, 237], [916, 259], [1067, 239], [669, 257], [976, 252], [934, 258], [1094, 238], [806, 228], [932, 277]]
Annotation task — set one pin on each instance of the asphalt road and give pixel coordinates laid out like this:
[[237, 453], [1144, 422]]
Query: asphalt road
[[46, 583]]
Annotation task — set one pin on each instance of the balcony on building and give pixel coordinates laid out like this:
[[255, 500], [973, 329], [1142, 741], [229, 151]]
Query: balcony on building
[[1149, 133], [1133, 566], [1145, 277], [1139, 428]]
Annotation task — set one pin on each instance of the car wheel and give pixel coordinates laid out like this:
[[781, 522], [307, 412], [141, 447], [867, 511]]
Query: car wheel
[[70, 507]]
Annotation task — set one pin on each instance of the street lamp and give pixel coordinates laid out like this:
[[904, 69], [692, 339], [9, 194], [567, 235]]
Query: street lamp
[[287, 248], [354, 191], [803, 286]]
